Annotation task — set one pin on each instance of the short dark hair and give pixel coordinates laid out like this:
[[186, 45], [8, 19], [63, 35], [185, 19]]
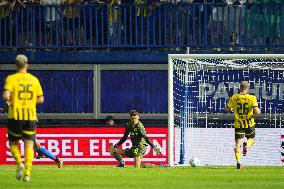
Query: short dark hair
[[133, 113], [109, 117]]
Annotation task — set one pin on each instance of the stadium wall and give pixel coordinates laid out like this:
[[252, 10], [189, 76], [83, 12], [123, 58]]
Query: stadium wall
[[93, 91]]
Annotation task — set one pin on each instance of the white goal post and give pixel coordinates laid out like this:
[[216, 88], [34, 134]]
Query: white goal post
[[198, 88]]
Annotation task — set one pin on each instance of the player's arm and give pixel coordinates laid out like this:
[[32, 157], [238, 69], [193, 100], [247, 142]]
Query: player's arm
[[7, 89], [142, 132], [229, 107], [6, 95], [40, 97], [123, 139], [256, 109]]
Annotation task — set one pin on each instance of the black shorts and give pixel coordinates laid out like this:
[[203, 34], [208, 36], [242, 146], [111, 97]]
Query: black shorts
[[21, 129], [248, 132]]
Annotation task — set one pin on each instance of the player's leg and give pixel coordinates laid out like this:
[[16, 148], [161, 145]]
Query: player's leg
[[137, 161], [239, 135], [44, 152], [14, 135], [29, 155], [36, 148], [147, 165], [250, 135], [138, 153], [14, 149], [29, 130], [238, 152], [250, 142], [133, 152], [117, 154]]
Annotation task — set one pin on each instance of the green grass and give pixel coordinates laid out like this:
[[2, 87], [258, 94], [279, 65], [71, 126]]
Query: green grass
[[47, 176]]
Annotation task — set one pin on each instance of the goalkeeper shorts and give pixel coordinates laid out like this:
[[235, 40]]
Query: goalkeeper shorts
[[135, 151]]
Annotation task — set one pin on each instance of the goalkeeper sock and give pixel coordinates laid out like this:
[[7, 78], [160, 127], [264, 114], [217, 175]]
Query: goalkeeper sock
[[250, 142], [117, 157], [16, 153], [46, 153], [29, 155]]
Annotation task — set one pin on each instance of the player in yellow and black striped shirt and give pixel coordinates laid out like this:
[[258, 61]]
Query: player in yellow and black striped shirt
[[244, 106], [22, 91]]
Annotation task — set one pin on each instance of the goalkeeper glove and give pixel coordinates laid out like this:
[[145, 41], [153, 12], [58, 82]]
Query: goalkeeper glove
[[111, 149], [157, 150]]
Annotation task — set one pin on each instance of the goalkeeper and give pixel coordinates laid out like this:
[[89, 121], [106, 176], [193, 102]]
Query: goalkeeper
[[139, 141]]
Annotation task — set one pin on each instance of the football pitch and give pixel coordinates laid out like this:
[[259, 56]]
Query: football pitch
[[47, 176]]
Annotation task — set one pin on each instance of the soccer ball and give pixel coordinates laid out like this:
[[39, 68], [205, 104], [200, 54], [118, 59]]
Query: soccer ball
[[193, 162]]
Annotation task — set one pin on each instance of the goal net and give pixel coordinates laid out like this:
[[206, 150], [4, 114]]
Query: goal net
[[199, 88]]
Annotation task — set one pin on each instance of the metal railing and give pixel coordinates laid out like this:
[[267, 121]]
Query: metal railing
[[132, 26]]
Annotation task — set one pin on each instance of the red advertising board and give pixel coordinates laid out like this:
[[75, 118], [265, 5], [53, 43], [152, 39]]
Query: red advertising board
[[86, 145]]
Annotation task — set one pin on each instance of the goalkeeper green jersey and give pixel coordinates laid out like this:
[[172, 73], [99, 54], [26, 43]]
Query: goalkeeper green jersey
[[137, 134]]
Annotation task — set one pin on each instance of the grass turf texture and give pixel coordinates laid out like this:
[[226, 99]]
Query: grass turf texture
[[47, 176]]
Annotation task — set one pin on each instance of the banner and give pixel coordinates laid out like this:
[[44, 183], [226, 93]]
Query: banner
[[215, 146], [86, 145]]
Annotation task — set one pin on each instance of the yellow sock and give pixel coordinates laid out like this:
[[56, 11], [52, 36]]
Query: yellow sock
[[238, 156], [250, 142], [29, 155], [14, 149]]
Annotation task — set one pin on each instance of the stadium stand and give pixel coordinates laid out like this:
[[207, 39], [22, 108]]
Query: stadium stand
[[99, 33]]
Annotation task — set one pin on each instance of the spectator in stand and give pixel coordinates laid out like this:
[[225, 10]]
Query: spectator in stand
[[202, 22], [109, 121], [272, 18], [72, 26], [20, 7], [52, 18], [141, 13], [281, 34], [188, 20], [197, 15], [5, 23], [254, 22], [130, 25], [265, 20], [218, 24], [97, 20], [113, 13], [234, 14]]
